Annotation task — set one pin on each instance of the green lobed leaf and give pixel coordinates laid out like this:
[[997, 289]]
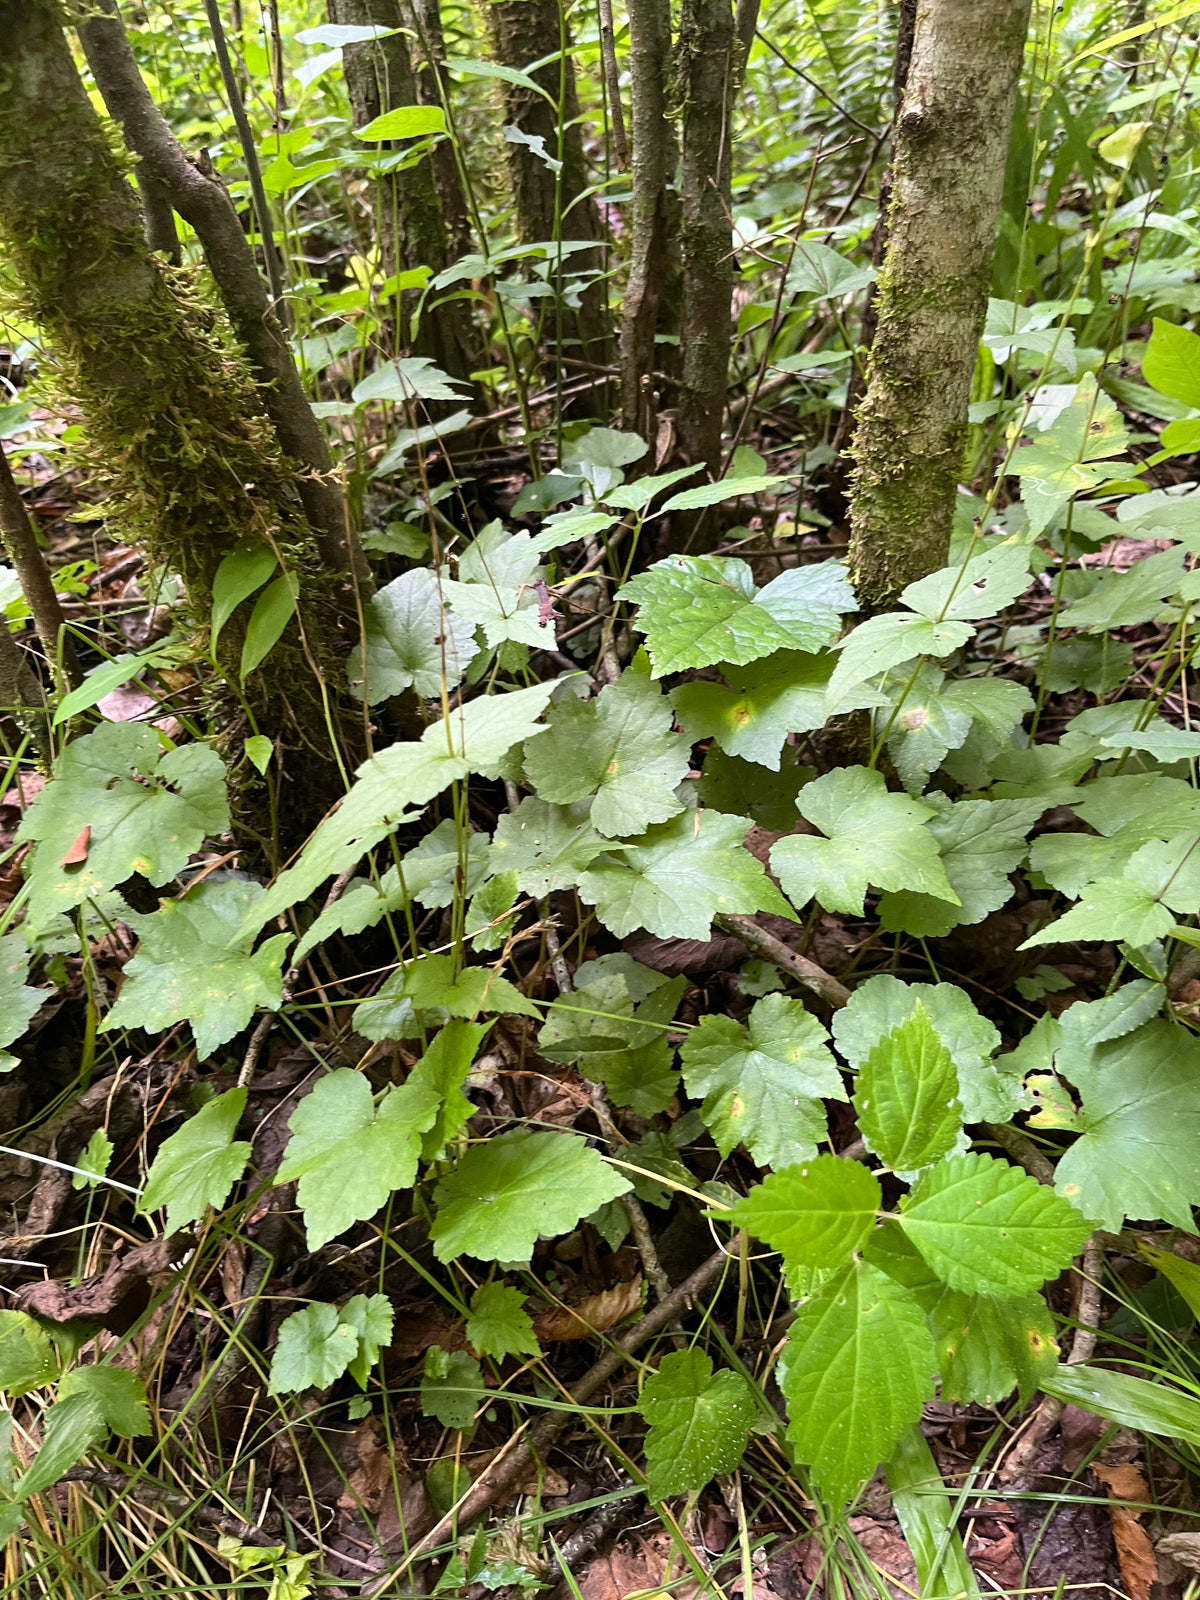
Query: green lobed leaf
[[1140, 1117], [884, 642], [858, 1366], [371, 1317], [763, 1084], [193, 965], [816, 1214], [410, 641], [451, 1387], [873, 838], [148, 809], [198, 1166], [313, 1349], [986, 1228], [697, 610], [980, 587], [699, 1423], [547, 846], [499, 1325], [980, 842], [618, 747], [505, 1194], [350, 1155], [678, 876], [766, 700], [883, 1002], [438, 1078], [906, 1096], [427, 988], [26, 1355], [19, 1001]]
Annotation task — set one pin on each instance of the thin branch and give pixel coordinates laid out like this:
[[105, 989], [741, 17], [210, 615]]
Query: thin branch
[[801, 968], [514, 1463], [20, 543]]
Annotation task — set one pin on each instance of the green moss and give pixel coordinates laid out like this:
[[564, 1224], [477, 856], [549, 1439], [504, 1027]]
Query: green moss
[[175, 433]]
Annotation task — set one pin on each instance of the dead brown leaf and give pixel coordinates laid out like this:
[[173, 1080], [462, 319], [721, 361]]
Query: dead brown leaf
[[596, 1314], [373, 1474], [1135, 1553]]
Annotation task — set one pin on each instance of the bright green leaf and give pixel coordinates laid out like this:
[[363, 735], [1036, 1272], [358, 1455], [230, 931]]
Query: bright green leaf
[[763, 1084], [404, 122], [987, 1228], [816, 1214], [349, 1155], [505, 1194], [273, 610], [26, 1355], [371, 1317], [499, 1325], [678, 876], [313, 1349], [906, 1096], [858, 1366], [874, 838], [546, 846], [451, 1387], [620, 748], [193, 965], [236, 579], [148, 811], [410, 641], [699, 1423], [199, 1165]]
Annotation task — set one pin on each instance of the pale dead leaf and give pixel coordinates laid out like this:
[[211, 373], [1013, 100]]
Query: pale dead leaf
[[1182, 1548], [596, 1314], [552, 1483], [373, 1474]]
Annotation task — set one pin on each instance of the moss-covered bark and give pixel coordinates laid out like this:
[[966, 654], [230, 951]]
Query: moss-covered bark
[[951, 138], [175, 429]]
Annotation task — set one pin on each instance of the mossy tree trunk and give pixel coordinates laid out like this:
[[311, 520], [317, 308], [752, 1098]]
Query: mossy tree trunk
[[201, 198], [548, 205], [175, 427], [948, 158], [408, 215]]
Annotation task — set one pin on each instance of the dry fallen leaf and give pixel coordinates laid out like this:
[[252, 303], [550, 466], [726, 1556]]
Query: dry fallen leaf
[[1135, 1553], [596, 1314], [77, 854]]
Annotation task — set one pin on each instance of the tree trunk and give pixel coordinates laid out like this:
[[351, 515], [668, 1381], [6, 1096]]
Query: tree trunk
[[201, 200], [947, 175], [521, 32], [408, 217], [425, 19], [652, 255], [174, 426], [706, 70], [29, 564]]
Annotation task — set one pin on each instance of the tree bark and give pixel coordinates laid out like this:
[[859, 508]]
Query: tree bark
[[29, 564], [425, 19], [408, 218], [201, 200], [652, 254], [521, 32], [174, 426], [706, 70], [948, 159]]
